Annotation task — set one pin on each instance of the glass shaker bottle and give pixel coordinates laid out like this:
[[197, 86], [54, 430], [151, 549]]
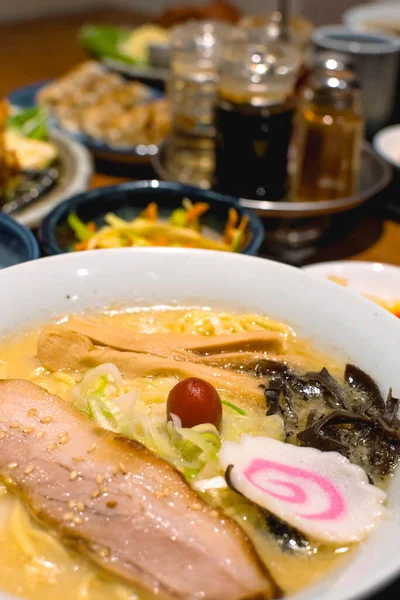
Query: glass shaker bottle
[[329, 133], [192, 87], [254, 112]]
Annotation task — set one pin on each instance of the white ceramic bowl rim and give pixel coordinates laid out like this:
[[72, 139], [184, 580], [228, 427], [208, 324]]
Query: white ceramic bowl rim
[[335, 318], [387, 143], [326, 37], [373, 278], [359, 15]]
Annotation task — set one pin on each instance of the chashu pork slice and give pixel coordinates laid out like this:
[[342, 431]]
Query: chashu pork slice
[[129, 510]]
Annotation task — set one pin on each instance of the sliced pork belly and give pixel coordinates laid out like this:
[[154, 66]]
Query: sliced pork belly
[[129, 510]]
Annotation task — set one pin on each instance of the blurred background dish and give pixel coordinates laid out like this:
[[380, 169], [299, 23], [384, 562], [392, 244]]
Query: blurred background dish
[[374, 16], [17, 243], [387, 144], [143, 52], [38, 168], [76, 170], [117, 120], [380, 282], [121, 43], [58, 232], [29, 161]]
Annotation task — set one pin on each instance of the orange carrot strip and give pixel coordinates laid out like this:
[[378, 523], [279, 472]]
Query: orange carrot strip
[[230, 225], [150, 212], [243, 223], [81, 245], [198, 209]]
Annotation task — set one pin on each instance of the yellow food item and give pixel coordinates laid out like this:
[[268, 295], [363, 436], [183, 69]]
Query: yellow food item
[[137, 45], [30, 154], [9, 163]]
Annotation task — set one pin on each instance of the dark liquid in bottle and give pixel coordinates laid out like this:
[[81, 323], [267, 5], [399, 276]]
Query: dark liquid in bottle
[[251, 151]]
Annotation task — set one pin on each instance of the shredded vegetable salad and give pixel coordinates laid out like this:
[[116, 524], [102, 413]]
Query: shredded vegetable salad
[[182, 229]]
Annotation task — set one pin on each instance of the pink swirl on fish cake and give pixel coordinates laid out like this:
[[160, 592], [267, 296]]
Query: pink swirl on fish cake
[[337, 506]]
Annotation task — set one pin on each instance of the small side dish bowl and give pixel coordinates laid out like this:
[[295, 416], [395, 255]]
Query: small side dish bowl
[[374, 16], [17, 243], [387, 145], [378, 281], [129, 199]]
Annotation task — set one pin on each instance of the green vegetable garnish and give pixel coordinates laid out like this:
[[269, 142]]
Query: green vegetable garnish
[[178, 217], [105, 42], [190, 474], [234, 407], [82, 231], [237, 241], [30, 123]]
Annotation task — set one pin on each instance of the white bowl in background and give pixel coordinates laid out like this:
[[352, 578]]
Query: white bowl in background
[[334, 318], [362, 15], [387, 144], [372, 278]]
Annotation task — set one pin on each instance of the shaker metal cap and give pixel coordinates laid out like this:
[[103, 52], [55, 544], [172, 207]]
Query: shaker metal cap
[[332, 81]]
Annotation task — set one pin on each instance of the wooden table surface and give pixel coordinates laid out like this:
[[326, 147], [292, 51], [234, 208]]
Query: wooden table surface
[[45, 48]]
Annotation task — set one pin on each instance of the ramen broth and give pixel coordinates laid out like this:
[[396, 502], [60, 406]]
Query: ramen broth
[[35, 564]]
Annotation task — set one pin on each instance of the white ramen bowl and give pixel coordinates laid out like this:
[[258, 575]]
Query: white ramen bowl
[[334, 318]]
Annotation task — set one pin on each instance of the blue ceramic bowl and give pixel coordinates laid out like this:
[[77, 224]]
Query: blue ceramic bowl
[[128, 199], [17, 243]]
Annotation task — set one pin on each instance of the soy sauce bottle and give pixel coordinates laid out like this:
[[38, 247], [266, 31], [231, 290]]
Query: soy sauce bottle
[[254, 116]]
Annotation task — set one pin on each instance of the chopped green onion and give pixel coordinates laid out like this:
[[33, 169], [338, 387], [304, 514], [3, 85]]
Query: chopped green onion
[[234, 407], [190, 474], [82, 231]]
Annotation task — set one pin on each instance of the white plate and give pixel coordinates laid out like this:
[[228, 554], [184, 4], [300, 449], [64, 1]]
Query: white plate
[[376, 279], [76, 170], [376, 12], [387, 144], [332, 317]]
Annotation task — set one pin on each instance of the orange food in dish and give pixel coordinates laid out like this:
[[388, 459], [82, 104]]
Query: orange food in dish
[[392, 306]]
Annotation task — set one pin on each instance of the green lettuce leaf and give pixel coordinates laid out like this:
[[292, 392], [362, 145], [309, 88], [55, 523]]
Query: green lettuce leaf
[[105, 41]]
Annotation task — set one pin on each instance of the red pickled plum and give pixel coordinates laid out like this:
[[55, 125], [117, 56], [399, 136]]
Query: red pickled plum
[[195, 401]]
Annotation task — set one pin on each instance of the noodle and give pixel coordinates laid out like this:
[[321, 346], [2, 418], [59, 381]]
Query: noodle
[[211, 323]]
